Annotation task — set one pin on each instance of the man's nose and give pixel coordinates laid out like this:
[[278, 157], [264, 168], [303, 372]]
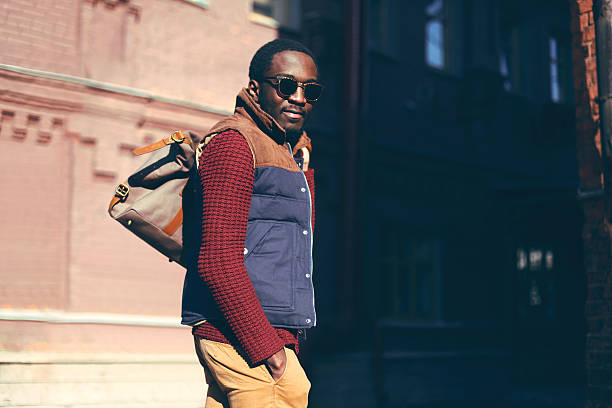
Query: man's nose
[[298, 96]]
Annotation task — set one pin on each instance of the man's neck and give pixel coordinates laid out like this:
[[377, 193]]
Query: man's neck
[[293, 136]]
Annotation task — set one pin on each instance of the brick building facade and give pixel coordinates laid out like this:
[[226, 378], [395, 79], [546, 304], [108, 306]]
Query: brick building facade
[[88, 313], [450, 272], [596, 229], [475, 287]]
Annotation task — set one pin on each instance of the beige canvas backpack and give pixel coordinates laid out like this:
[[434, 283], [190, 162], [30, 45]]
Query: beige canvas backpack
[[150, 203]]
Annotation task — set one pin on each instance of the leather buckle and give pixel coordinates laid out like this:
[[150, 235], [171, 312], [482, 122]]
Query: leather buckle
[[177, 136], [122, 191]]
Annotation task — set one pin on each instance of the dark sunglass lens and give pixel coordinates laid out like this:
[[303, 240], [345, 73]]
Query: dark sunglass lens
[[312, 92], [287, 86]]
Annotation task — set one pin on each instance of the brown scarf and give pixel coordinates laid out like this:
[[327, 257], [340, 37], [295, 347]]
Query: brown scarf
[[247, 107]]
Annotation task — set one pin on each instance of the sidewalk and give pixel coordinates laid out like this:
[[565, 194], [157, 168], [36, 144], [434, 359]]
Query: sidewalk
[[347, 380]]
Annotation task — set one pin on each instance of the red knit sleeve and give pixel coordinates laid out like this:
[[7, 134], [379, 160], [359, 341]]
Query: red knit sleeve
[[311, 185], [226, 174]]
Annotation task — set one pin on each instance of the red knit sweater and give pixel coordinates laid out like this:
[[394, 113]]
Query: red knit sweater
[[226, 175]]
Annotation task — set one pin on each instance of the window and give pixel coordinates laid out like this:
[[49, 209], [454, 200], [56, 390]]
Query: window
[[555, 86], [382, 35], [535, 267], [504, 69], [263, 7], [509, 58], [278, 13], [559, 69], [435, 41], [408, 274]]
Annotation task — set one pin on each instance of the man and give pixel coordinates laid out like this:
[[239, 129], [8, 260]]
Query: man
[[250, 296]]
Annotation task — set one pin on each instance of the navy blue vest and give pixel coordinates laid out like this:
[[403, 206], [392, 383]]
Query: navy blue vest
[[278, 246]]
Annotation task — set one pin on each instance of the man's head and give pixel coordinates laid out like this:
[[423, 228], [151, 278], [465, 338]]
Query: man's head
[[283, 80]]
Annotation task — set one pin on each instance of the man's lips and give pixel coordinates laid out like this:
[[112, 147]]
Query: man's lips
[[293, 113]]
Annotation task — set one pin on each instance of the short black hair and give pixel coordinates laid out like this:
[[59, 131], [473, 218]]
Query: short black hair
[[263, 57]]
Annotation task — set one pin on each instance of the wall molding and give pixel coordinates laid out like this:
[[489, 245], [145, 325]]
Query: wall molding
[[59, 316], [27, 357], [199, 3], [108, 87]]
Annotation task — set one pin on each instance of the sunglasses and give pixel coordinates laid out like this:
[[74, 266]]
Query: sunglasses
[[287, 86]]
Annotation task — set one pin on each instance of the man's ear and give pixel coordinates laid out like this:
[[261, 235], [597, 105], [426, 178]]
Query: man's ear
[[253, 89]]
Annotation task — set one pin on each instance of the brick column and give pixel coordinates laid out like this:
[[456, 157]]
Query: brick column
[[596, 230]]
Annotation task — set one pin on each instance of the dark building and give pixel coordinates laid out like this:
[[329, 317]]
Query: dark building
[[450, 267]]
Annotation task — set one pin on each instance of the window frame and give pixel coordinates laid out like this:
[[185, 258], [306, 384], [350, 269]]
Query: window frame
[[285, 14]]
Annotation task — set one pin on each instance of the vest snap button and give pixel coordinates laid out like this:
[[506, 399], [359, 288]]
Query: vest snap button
[[308, 320], [246, 251], [303, 190], [305, 232], [308, 275]]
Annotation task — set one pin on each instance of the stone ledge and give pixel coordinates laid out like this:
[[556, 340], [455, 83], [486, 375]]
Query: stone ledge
[[19, 357], [98, 384], [58, 316]]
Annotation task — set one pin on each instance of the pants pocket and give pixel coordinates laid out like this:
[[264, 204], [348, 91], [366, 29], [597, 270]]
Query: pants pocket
[[288, 367], [246, 386], [228, 368], [293, 387]]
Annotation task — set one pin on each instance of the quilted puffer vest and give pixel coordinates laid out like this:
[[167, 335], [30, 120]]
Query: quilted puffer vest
[[278, 246]]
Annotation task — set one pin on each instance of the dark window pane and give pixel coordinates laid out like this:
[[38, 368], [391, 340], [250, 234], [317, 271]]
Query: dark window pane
[[263, 7]]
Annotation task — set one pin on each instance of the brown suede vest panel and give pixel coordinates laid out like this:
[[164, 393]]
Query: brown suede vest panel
[[262, 133]]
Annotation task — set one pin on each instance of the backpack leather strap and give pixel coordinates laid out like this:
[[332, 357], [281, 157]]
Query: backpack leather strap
[[176, 222], [121, 193], [176, 137]]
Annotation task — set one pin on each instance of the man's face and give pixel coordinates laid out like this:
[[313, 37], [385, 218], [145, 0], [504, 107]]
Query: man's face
[[290, 112]]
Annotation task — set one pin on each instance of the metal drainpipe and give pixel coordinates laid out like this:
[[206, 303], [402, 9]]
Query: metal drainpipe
[[352, 88], [603, 37]]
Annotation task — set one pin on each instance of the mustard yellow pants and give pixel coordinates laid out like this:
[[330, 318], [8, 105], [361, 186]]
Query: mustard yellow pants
[[232, 383]]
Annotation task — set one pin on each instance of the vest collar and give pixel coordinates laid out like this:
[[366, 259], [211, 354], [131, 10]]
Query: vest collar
[[247, 108]]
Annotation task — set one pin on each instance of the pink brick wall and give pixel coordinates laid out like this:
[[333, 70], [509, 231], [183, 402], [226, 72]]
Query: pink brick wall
[[35, 173], [200, 54], [41, 34], [168, 47], [65, 145], [110, 269]]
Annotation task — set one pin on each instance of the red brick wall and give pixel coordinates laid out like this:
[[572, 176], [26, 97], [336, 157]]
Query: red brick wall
[[596, 231]]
